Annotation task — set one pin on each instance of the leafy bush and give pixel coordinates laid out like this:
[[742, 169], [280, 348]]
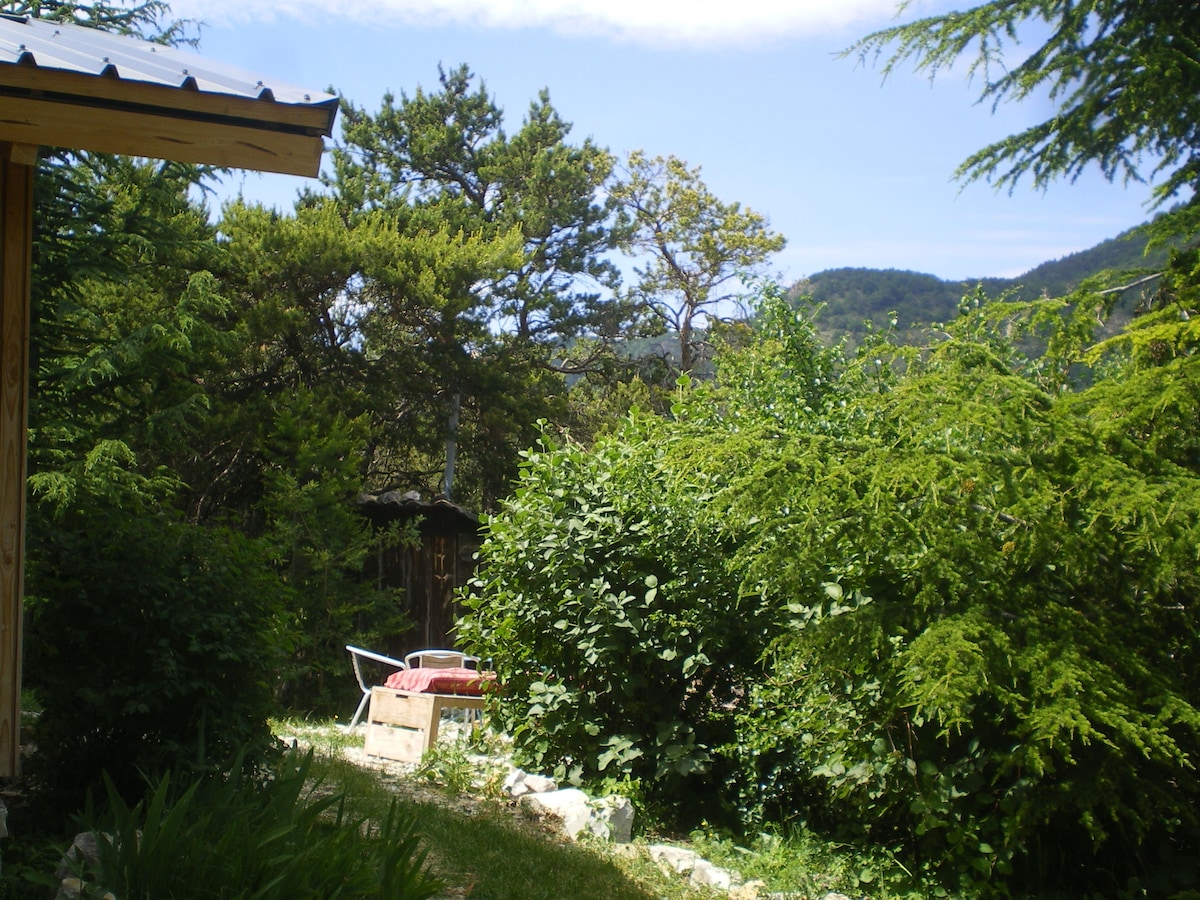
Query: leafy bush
[[230, 837], [149, 645], [319, 543], [619, 636]]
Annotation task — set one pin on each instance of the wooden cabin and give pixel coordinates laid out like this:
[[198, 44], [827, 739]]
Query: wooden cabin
[[428, 573]]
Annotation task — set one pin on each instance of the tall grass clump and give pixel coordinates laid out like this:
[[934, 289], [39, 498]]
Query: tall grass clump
[[236, 837]]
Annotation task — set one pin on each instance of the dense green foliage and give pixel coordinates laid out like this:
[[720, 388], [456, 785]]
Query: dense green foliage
[[147, 19], [994, 621], [240, 379], [946, 610], [932, 594], [236, 837], [507, 235], [612, 622], [156, 623], [241, 382], [148, 647], [152, 427]]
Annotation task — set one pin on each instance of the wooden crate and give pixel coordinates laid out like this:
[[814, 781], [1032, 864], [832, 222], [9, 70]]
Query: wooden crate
[[402, 725]]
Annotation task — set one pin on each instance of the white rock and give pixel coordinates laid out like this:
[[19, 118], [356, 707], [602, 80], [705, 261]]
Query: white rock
[[570, 805], [540, 784], [519, 783], [676, 859], [609, 818], [700, 871], [83, 852], [612, 819], [705, 874], [514, 784]]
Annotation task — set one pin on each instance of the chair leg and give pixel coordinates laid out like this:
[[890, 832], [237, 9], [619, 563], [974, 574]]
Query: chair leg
[[362, 704]]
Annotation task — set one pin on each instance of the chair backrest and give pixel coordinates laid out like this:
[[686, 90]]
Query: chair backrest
[[441, 659], [358, 672]]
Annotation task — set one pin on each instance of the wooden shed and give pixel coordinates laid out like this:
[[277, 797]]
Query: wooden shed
[[430, 572], [79, 88]]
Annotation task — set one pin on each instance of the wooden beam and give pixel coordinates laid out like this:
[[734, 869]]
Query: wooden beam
[[16, 243], [83, 90], [25, 154], [39, 122]]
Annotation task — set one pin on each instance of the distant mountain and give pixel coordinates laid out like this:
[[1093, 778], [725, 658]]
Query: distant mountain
[[851, 296]]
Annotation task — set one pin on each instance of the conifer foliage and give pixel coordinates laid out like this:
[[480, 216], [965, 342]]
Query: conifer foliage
[[1121, 74]]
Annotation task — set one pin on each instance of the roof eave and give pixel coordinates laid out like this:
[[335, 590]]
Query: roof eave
[[88, 112]]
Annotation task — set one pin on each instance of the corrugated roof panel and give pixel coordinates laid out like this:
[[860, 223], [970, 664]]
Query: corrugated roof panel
[[89, 51]]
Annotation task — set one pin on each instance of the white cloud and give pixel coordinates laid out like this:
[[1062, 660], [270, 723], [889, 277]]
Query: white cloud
[[671, 22]]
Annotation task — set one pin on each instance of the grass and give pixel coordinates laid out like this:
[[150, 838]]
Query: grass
[[449, 812], [244, 835], [487, 850], [483, 846]]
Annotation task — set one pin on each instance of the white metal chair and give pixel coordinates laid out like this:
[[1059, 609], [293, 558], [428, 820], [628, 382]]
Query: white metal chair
[[446, 659], [357, 654]]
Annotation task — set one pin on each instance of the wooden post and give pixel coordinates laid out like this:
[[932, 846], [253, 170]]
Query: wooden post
[[16, 247]]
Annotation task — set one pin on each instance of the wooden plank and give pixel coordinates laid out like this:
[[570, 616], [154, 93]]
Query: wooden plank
[[16, 230], [391, 742], [400, 708], [38, 122], [402, 725], [458, 701]]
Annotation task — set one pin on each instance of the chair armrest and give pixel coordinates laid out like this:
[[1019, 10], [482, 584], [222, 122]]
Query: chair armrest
[[376, 657]]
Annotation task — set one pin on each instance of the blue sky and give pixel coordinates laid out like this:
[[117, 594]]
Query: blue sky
[[852, 170]]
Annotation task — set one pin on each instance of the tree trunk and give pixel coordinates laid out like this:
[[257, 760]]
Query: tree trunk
[[451, 446]]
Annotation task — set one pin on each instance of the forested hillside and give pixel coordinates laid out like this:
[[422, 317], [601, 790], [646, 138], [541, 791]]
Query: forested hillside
[[852, 296]]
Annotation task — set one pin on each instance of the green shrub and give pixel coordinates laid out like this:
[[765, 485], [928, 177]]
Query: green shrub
[[617, 632], [232, 837], [319, 543], [990, 666], [150, 645]]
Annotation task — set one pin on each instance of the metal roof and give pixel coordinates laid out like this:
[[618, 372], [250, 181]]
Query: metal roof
[[64, 85], [89, 51], [410, 502]]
